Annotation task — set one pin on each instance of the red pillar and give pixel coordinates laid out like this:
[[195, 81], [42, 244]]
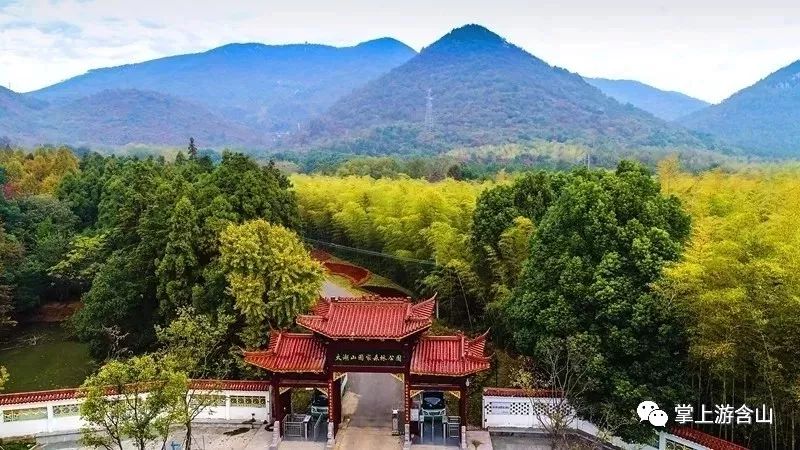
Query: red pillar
[[407, 407], [274, 399], [463, 401], [334, 404]]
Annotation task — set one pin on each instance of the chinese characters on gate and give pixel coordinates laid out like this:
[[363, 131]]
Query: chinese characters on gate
[[369, 358]]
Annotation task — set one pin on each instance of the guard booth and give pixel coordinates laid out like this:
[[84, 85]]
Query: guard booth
[[377, 335]]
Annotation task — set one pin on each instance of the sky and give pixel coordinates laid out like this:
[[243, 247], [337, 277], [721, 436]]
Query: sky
[[708, 49]]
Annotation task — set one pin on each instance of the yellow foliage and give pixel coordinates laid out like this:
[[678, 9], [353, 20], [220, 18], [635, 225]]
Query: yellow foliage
[[404, 217], [739, 277], [38, 172]]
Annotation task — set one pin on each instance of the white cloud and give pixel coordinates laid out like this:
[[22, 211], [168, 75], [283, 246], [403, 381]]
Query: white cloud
[[708, 49]]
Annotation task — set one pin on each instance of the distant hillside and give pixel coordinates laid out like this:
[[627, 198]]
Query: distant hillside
[[120, 117], [15, 111], [763, 118], [667, 105], [483, 90], [272, 86]]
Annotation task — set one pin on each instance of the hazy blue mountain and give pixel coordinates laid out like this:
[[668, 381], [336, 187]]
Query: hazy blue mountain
[[667, 105], [484, 90], [120, 117], [15, 111], [763, 118], [272, 86]]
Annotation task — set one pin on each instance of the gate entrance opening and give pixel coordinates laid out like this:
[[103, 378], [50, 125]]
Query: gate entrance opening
[[371, 335]]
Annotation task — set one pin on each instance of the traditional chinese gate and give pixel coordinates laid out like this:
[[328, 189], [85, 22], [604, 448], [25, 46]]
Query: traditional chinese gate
[[372, 334]]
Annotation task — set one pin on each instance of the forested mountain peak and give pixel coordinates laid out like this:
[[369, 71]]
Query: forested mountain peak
[[471, 88], [471, 33], [763, 118]]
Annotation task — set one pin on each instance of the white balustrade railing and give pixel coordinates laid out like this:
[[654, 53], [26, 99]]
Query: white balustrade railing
[[51, 412]]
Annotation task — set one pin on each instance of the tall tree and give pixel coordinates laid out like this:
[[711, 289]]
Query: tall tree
[[130, 399], [594, 256], [270, 275], [194, 343], [177, 270], [10, 253]]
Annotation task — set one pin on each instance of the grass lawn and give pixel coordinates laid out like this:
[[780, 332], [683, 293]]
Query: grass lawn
[[40, 357]]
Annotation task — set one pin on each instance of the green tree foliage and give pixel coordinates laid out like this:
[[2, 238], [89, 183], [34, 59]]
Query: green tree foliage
[[85, 257], [739, 281], [43, 226], [270, 274], [10, 253], [593, 257], [179, 265], [128, 414], [151, 244], [194, 343], [404, 218], [82, 189]]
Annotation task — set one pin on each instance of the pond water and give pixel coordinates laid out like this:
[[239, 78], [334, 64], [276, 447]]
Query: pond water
[[43, 356]]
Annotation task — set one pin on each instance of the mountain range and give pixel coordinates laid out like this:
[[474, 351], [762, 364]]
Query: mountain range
[[763, 119], [469, 88], [667, 105]]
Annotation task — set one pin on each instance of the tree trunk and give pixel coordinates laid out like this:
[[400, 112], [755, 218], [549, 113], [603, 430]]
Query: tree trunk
[[189, 435]]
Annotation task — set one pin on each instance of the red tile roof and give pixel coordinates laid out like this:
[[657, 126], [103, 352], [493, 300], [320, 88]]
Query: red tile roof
[[368, 317], [517, 392], [71, 393], [449, 355], [290, 352], [38, 396], [699, 437]]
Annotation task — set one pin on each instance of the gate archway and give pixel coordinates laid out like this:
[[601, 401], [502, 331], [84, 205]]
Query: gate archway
[[373, 335]]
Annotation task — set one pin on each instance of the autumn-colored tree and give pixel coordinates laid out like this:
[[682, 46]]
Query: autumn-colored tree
[[39, 171], [270, 275]]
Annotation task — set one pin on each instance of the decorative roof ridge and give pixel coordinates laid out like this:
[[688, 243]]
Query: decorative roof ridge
[[424, 309], [275, 339], [448, 337], [368, 299], [277, 342]]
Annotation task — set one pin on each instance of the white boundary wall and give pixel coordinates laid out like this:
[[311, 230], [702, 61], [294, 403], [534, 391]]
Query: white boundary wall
[[527, 413], [234, 405]]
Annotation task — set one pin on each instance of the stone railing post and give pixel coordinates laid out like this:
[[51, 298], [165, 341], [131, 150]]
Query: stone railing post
[[276, 435]]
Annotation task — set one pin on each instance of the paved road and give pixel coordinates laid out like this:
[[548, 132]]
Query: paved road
[[370, 399], [331, 289], [368, 402]]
